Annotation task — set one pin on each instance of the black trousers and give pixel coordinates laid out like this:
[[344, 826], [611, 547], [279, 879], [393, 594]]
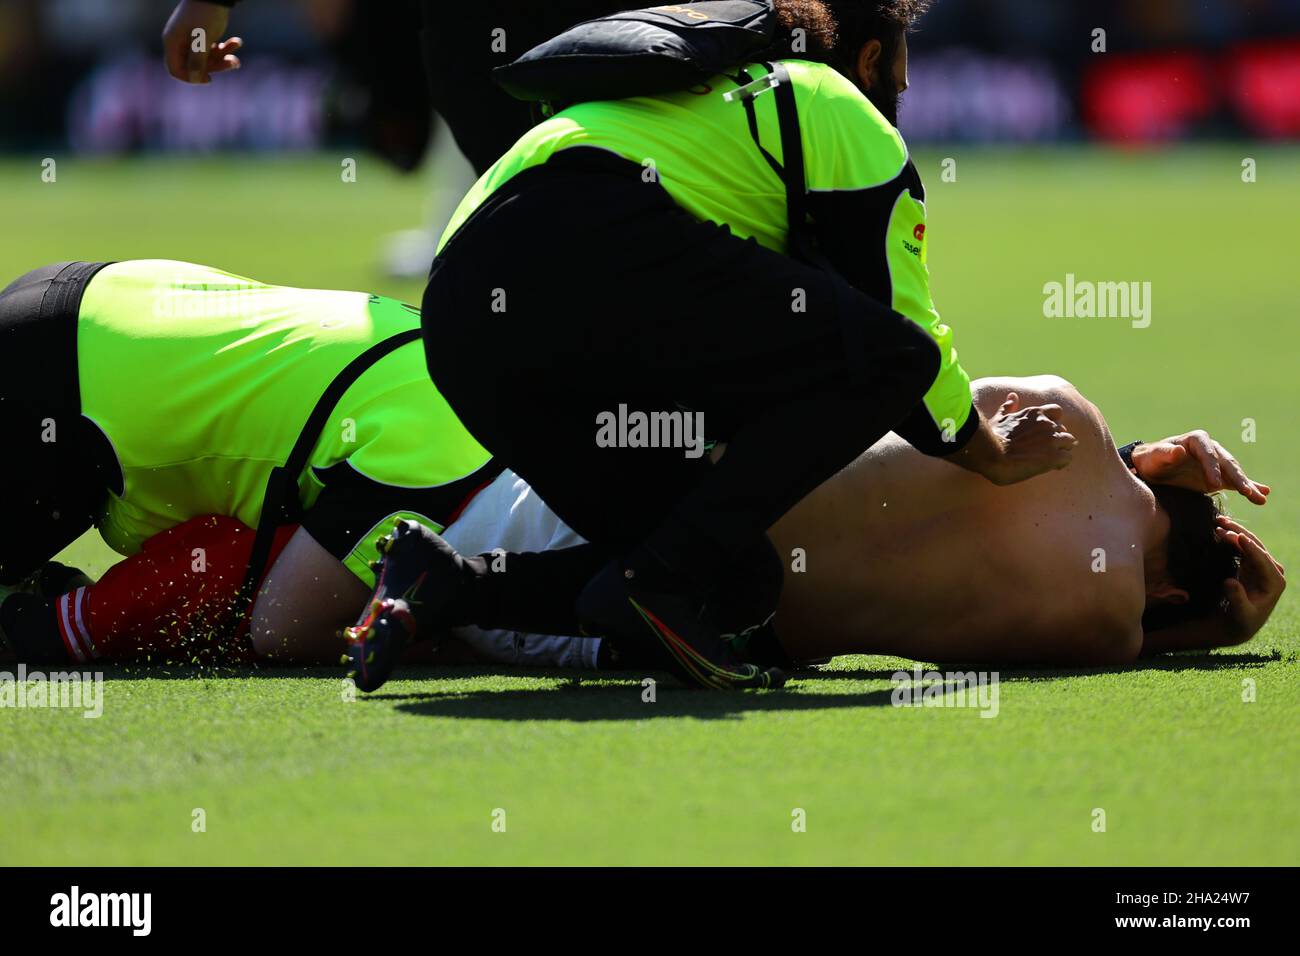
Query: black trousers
[[58, 466], [579, 287]]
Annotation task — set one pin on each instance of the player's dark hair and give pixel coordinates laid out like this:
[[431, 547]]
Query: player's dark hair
[[834, 31], [1197, 562]]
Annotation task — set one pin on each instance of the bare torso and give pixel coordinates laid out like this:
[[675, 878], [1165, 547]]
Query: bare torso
[[913, 556]]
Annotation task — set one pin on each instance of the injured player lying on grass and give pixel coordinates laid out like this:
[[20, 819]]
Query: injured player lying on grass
[[899, 555]]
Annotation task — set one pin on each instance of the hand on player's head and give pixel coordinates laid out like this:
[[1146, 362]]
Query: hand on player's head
[[1260, 581], [1196, 461]]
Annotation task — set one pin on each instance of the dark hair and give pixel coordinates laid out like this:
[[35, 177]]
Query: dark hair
[[835, 30], [1197, 562]]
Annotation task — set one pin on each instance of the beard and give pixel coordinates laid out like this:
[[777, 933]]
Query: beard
[[885, 97]]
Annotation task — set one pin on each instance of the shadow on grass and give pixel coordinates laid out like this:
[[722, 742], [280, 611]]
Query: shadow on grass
[[583, 701], [569, 696], [1183, 661]]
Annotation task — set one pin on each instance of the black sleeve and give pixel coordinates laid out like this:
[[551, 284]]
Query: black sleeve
[[352, 505], [847, 222], [852, 229], [918, 430]]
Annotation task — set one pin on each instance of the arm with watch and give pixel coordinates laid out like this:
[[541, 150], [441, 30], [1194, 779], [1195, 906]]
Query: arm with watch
[[1194, 461], [1199, 463]]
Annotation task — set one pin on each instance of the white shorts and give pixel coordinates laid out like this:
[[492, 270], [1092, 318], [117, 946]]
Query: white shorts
[[507, 514]]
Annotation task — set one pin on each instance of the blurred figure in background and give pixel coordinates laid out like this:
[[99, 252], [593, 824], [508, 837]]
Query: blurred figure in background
[[988, 71], [381, 46]]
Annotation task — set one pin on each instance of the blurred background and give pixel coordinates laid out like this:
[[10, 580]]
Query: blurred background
[[82, 75]]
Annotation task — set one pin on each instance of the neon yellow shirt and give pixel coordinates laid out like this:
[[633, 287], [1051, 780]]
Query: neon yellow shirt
[[700, 149], [202, 381]]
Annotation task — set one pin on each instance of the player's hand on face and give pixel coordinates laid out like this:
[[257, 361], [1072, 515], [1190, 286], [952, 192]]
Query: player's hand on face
[[213, 54], [1195, 461], [1259, 584], [1034, 440]]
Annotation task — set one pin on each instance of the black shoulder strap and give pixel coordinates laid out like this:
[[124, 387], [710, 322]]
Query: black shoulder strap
[[792, 171], [280, 503], [796, 181]]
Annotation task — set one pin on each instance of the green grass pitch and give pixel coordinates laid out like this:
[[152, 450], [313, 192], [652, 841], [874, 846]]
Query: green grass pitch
[[288, 772]]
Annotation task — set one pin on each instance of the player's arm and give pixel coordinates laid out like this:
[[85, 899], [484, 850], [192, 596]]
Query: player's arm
[[1016, 441], [874, 236], [868, 207], [1012, 442], [193, 44], [867, 204], [1196, 461]]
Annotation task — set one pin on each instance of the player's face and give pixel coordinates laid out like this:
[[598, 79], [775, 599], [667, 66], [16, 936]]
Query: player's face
[[884, 82], [900, 66]]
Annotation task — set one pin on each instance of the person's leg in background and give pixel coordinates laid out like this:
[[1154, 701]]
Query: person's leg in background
[[462, 44]]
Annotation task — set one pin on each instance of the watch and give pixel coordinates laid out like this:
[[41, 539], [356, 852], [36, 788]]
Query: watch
[[1126, 453]]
